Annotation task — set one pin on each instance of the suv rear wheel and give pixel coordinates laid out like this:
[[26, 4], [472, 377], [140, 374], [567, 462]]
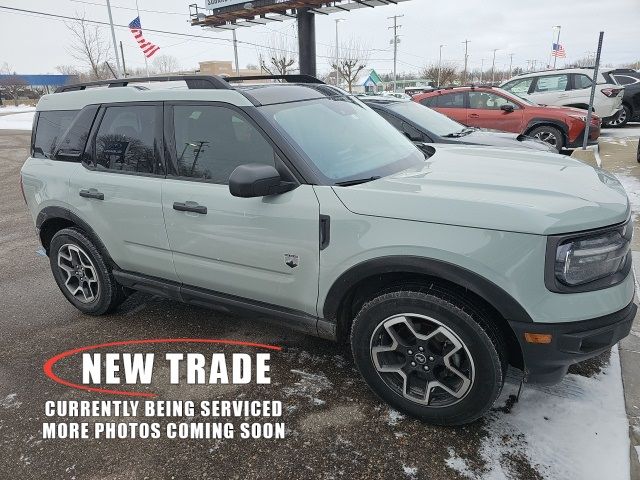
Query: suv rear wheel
[[428, 357], [550, 135], [621, 119], [82, 273]]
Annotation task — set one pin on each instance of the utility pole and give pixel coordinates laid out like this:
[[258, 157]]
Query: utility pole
[[493, 67], [481, 69], [235, 52], [113, 39], [395, 46], [587, 122], [510, 64], [337, 20], [466, 58], [555, 57], [440, 64]]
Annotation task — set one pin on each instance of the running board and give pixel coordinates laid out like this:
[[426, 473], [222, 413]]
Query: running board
[[294, 319]]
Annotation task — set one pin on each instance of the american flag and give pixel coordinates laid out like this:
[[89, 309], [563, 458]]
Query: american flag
[[558, 51], [148, 48]]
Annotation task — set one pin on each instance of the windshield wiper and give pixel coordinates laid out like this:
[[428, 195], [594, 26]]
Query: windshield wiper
[[461, 133], [357, 181]]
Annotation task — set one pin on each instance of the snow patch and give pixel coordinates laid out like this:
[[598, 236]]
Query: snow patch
[[394, 417], [18, 121], [632, 187], [18, 109], [309, 386], [577, 429], [458, 464], [10, 401], [410, 472]]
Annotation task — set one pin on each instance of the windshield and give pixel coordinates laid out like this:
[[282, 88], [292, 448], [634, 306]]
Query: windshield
[[343, 138], [426, 118]]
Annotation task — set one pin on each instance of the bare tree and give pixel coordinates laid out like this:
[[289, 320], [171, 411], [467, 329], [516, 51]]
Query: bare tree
[[448, 73], [278, 57], [353, 57], [165, 64], [89, 47], [11, 84]]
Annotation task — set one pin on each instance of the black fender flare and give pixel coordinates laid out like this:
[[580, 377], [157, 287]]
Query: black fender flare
[[538, 122], [53, 213], [503, 302]]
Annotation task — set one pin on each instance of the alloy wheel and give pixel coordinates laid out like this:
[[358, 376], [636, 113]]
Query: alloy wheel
[[547, 137], [422, 359], [79, 273], [619, 119]]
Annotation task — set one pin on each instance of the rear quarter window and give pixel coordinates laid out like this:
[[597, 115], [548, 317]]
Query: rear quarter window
[[50, 129]]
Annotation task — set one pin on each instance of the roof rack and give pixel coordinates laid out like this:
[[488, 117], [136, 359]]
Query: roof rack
[[292, 78], [194, 82]]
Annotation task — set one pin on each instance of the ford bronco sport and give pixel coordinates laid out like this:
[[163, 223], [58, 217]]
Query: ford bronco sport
[[295, 202]]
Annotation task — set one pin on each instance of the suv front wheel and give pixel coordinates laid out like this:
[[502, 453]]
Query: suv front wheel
[[550, 135], [426, 355], [82, 274]]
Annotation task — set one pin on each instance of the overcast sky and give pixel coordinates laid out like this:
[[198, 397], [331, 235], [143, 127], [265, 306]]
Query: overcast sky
[[32, 44]]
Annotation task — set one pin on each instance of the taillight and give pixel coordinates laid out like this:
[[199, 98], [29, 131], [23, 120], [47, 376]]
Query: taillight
[[22, 189], [611, 92]]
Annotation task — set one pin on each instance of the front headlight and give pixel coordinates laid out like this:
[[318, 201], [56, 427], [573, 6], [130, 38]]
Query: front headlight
[[591, 261]]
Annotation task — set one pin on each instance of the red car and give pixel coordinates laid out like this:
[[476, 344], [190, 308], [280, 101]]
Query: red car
[[493, 108]]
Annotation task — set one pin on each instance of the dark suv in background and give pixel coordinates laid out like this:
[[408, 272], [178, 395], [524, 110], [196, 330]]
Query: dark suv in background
[[630, 80]]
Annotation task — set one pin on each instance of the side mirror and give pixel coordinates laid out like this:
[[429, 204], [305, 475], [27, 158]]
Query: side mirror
[[507, 108], [257, 180]]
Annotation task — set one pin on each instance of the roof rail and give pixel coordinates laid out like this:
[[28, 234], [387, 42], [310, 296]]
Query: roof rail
[[292, 78], [194, 82]]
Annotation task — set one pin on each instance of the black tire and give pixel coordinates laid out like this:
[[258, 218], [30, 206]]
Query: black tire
[[483, 345], [105, 294], [621, 119], [550, 135]]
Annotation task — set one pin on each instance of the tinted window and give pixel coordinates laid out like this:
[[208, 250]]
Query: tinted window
[[72, 145], [430, 101], [581, 81], [552, 83], [396, 122], [518, 87], [49, 131], [626, 80], [212, 141], [427, 119], [126, 140], [488, 101], [451, 100]]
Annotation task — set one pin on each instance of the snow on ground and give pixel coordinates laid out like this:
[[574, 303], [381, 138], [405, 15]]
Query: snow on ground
[[630, 130], [14, 109], [18, 121], [576, 429]]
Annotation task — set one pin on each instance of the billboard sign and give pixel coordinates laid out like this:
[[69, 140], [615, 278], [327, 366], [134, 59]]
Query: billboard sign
[[215, 4]]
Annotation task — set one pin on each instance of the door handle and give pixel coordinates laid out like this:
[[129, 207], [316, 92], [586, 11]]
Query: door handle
[[190, 207], [92, 193], [474, 115]]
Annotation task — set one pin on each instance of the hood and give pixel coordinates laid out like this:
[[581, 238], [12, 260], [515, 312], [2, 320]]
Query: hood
[[498, 189], [502, 140]]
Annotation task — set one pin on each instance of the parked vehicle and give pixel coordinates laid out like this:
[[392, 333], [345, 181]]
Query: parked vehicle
[[630, 80], [568, 87], [298, 203], [423, 125], [488, 107]]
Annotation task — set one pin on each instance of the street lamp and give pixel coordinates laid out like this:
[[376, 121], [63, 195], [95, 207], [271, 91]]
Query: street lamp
[[493, 67], [440, 64], [481, 69], [337, 20]]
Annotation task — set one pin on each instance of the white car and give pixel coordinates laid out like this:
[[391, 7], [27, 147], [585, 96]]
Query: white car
[[568, 87]]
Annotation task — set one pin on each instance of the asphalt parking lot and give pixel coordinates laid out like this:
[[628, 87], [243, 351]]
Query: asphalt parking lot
[[335, 427]]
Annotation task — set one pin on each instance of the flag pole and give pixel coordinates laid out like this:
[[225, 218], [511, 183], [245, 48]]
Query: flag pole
[[555, 57], [146, 63]]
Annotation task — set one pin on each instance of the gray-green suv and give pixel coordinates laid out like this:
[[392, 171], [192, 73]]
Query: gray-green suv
[[296, 203]]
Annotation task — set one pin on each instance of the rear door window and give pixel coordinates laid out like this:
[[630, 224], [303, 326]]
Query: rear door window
[[451, 100], [581, 81], [50, 129], [127, 140], [552, 83], [519, 87]]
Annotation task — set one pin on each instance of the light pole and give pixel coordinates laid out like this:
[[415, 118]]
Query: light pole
[[337, 20], [466, 57], [493, 67], [481, 69], [395, 28], [510, 64], [440, 64]]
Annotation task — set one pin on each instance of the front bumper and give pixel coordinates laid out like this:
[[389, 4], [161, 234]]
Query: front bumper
[[572, 342]]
